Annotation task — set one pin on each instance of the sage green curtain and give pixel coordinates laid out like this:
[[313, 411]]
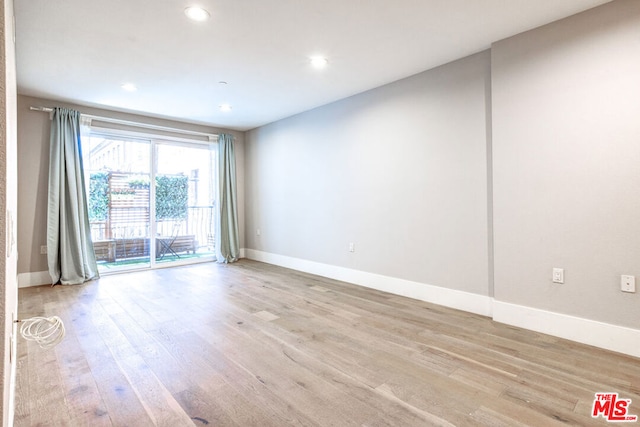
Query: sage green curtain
[[69, 247], [227, 244]]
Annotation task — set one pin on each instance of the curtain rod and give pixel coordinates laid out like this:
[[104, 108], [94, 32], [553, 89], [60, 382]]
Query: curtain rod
[[135, 124], [45, 109]]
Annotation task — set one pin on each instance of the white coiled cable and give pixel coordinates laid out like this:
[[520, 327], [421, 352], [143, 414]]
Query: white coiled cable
[[46, 331]]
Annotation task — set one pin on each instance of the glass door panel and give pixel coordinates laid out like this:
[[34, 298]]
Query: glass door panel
[[117, 173], [184, 202]]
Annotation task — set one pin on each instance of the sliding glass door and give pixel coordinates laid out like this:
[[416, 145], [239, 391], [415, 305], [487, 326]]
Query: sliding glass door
[[184, 202], [118, 171], [151, 201]]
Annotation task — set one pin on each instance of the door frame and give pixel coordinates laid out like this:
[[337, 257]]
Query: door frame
[[154, 140]]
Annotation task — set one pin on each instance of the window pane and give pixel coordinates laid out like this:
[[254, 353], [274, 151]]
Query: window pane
[[185, 197], [117, 174]]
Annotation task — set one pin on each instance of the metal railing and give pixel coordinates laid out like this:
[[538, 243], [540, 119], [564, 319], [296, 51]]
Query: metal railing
[[200, 223]]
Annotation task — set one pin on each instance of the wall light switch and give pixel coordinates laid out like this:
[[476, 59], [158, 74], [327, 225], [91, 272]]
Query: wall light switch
[[352, 247], [558, 275], [627, 283], [43, 250]]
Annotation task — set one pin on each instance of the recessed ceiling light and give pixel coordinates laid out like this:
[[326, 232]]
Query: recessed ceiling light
[[319, 61], [196, 13], [129, 87], [225, 107]]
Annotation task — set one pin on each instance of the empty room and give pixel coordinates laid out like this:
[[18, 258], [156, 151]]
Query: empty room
[[320, 213]]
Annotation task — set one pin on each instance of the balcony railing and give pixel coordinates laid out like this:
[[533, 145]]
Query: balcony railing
[[127, 236]]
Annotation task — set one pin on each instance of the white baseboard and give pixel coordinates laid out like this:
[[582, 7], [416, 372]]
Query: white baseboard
[[38, 278], [460, 300], [34, 279], [604, 335]]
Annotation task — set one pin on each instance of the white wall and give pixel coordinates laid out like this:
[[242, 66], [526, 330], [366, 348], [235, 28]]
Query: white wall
[[401, 171], [566, 144], [33, 167], [8, 216], [475, 178]]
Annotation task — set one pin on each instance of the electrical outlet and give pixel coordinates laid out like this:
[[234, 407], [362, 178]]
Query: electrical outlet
[[43, 250], [558, 275], [627, 283], [352, 247]]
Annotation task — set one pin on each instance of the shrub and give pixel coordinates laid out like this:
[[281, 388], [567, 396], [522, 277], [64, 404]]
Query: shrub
[[172, 196], [140, 183], [98, 196]]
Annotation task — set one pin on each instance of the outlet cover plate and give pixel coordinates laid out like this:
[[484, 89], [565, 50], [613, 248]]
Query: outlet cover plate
[[627, 283], [558, 275]]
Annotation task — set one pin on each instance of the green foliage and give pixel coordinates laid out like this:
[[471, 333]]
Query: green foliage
[[123, 192], [141, 184], [172, 196], [98, 196]]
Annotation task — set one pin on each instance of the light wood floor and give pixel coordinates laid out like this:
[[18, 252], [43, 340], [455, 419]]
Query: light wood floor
[[251, 344]]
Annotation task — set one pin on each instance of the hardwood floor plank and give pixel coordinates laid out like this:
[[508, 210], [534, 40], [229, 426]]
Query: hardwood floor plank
[[47, 403], [251, 344], [122, 405], [22, 404], [81, 392], [160, 406], [245, 396]]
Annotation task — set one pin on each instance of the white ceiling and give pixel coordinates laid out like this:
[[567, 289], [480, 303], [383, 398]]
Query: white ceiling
[[82, 51]]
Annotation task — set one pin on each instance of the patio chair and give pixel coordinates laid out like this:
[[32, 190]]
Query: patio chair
[[167, 241]]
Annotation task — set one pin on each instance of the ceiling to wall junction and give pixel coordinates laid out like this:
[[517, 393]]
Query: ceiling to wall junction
[[250, 55]]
